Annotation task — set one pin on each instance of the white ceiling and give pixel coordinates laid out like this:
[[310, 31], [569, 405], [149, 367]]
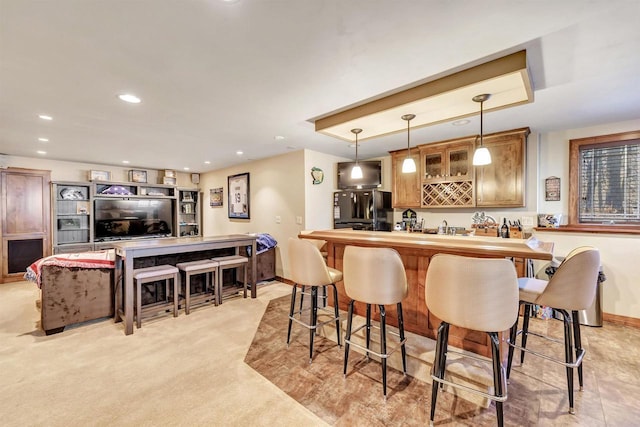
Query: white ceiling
[[216, 77]]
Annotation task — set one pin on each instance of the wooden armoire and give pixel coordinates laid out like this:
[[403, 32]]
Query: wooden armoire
[[25, 212]]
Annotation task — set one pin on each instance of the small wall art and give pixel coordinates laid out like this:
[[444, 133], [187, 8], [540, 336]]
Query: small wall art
[[216, 197], [552, 189], [318, 175]]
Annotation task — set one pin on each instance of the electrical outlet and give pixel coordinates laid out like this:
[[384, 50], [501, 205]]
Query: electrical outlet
[[278, 219]]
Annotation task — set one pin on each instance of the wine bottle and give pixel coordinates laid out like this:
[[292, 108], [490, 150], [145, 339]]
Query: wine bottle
[[504, 229]]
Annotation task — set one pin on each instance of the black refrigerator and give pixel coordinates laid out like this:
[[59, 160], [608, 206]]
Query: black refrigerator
[[362, 210]]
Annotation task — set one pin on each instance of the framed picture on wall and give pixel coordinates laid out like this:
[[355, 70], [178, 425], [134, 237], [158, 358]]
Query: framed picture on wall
[[238, 190], [215, 197], [137, 175], [552, 189]]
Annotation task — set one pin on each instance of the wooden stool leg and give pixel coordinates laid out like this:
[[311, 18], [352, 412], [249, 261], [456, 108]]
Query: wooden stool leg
[[214, 285], [138, 304], [175, 295], [187, 292], [245, 280]]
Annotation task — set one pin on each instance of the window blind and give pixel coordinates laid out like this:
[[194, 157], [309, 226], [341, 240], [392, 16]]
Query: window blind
[[609, 177]]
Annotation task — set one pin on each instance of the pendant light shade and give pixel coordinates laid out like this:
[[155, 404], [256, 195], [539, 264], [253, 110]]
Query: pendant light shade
[[409, 165], [481, 156], [356, 171]]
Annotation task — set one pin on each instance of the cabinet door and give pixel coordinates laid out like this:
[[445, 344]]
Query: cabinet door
[[25, 220], [406, 186], [459, 161], [501, 183], [433, 163]]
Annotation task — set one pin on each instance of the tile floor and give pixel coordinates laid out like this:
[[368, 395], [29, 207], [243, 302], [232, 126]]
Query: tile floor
[[537, 390]]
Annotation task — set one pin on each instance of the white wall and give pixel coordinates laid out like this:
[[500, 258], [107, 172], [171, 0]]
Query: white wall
[[619, 253], [277, 189], [319, 198]]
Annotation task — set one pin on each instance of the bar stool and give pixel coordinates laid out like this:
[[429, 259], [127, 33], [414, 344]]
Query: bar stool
[[308, 268], [375, 276], [209, 269], [227, 263], [572, 288], [153, 274], [473, 293]]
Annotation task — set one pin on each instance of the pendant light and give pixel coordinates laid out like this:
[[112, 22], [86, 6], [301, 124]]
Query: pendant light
[[481, 156], [356, 171], [409, 165]]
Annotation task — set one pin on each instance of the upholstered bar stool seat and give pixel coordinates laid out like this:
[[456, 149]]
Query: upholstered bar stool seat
[[571, 289], [375, 276], [473, 293], [153, 274], [308, 268], [227, 263], [209, 269]]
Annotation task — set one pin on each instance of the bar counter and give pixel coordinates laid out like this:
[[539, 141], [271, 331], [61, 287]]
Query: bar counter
[[416, 250]]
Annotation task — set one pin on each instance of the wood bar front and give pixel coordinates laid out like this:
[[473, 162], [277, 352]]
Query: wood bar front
[[416, 250]]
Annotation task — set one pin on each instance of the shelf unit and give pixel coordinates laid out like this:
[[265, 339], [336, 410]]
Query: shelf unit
[[189, 208], [73, 210], [72, 213]]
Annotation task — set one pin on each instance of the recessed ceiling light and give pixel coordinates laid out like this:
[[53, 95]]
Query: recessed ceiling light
[[45, 117], [130, 98], [461, 122], [278, 137], [125, 161], [41, 152], [239, 153], [186, 168], [207, 162], [43, 139]]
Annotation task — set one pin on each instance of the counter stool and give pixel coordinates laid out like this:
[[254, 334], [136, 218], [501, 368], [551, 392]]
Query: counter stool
[[473, 293], [308, 268], [375, 276], [227, 263], [209, 269], [572, 288], [153, 274]]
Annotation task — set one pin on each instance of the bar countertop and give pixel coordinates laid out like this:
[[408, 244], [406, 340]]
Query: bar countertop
[[462, 245]]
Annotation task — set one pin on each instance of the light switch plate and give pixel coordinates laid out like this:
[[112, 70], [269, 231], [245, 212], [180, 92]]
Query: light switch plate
[[299, 220], [278, 219]]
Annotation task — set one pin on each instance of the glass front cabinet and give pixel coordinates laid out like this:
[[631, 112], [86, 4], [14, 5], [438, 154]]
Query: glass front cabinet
[[189, 213], [71, 217]]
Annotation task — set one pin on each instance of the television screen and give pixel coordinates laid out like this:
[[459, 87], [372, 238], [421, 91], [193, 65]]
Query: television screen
[[125, 219], [371, 175]]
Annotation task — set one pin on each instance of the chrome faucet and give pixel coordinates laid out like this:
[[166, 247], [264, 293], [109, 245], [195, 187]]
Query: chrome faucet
[[443, 227]]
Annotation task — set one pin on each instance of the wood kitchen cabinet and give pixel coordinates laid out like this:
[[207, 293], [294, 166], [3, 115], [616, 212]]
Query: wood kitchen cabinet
[[406, 186], [447, 174], [448, 179], [502, 183]]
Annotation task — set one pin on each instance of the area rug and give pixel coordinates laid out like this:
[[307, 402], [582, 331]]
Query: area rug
[[320, 386]]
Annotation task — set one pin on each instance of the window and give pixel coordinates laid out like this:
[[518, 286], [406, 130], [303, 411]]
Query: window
[[605, 180]]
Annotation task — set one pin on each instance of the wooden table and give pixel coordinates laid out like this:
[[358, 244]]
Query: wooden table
[[416, 249], [127, 251]]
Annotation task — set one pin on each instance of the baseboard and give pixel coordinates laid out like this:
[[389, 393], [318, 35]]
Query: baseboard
[[621, 320]]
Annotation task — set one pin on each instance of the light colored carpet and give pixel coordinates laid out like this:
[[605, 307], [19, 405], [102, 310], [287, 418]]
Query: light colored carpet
[[186, 371]]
